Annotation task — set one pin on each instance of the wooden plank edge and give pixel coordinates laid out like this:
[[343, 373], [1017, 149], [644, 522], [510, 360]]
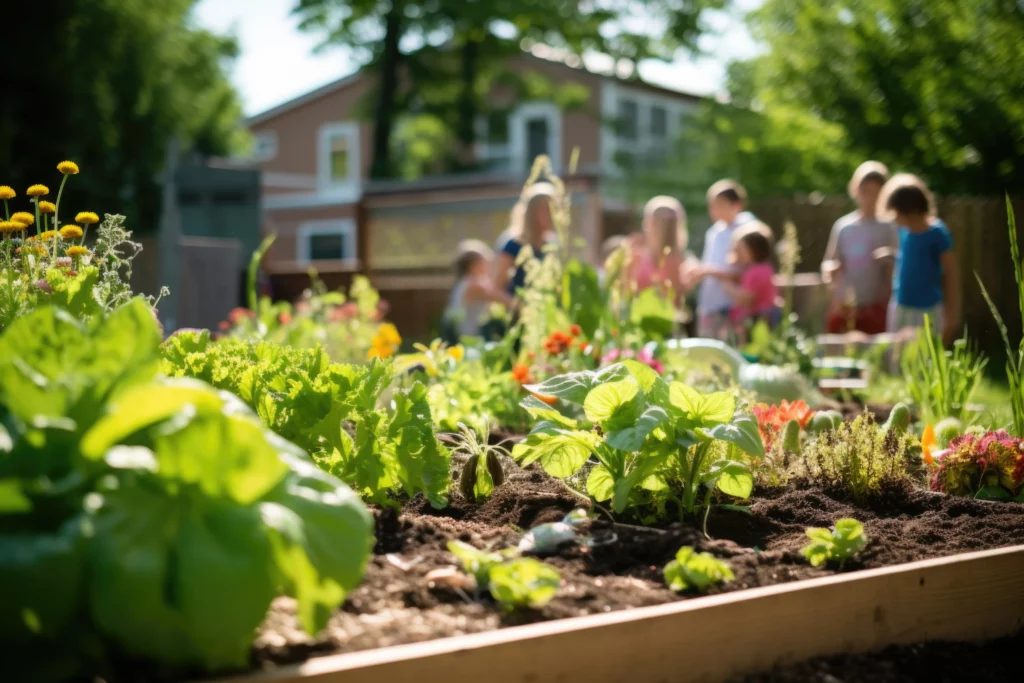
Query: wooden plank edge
[[972, 596]]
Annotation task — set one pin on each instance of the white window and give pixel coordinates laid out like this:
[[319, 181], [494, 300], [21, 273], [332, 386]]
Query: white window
[[629, 119], [264, 146], [338, 157], [327, 240], [535, 128]]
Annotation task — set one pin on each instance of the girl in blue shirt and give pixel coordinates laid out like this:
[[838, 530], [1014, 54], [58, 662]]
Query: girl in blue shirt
[[531, 225], [926, 280]]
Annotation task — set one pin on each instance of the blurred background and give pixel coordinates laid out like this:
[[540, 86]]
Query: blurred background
[[371, 136]]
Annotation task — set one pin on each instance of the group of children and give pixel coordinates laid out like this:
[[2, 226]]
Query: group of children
[[890, 262]]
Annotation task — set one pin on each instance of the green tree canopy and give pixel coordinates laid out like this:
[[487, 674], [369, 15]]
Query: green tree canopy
[[107, 83], [930, 86]]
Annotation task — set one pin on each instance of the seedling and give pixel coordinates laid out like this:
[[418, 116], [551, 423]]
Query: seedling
[[482, 472], [835, 545], [512, 581], [695, 571]]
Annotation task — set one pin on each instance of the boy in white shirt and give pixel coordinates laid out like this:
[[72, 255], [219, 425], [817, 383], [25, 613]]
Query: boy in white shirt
[[726, 206]]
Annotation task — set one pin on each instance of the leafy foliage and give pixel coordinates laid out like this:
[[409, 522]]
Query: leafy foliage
[[836, 545], [858, 459], [512, 581], [655, 442], [695, 571], [329, 409], [939, 380], [157, 515], [989, 465]]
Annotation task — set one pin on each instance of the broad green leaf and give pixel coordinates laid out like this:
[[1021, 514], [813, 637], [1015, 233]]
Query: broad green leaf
[[653, 313], [572, 387], [732, 478], [697, 571], [542, 411], [581, 296], [606, 400], [643, 468], [600, 485], [524, 582], [702, 409], [633, 437], [561, 453], [12, 497], [743, 433]]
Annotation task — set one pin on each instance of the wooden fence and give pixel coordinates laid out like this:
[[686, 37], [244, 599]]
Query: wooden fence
[[978, 227]]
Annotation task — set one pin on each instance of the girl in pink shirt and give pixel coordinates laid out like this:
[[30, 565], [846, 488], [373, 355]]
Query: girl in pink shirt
[[657, 259], [754, 293]]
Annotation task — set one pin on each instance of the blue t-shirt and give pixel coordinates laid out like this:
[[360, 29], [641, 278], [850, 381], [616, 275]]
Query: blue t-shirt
[[512, 247], [917, 282]]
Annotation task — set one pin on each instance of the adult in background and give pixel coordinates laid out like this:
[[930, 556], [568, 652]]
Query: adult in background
[[727, 207], [530, 224], [859, 258]]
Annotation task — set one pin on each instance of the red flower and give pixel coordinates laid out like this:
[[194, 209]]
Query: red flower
[[238, 314], [521, 374], [772, 419], [575, 330], [284, 317], [224, 326]]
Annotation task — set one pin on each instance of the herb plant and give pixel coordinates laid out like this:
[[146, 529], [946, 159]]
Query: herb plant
[[695, 571], [331, 410], [835, 545], [941, 381], [655, 442], [153, 517], [511, 580]]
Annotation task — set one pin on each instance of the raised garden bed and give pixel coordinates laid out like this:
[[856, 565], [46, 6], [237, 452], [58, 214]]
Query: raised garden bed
[[962, 596]]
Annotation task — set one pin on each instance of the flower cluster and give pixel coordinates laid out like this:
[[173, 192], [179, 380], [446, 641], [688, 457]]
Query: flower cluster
[[385, 342], [558, 342], [521, 373], [989, 465], [772, 419]]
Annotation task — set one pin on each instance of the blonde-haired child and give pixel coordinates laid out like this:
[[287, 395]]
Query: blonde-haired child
[[658, 261], [531, 224], [927, 278]]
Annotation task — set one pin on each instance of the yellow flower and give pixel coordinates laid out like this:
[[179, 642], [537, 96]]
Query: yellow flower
[[87, 217], [7, 227], [70, 232], [7, 192], [23, 217], [380, 350], [48, 207], [68, 168], [37, 191], [388, 333], [77, 251], [48, 235], [928, 442], [456, 352]]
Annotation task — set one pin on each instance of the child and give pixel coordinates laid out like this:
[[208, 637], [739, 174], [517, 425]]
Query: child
[[927, 280], [726, 201], [753, 297], [531, 224], [658, 260], [858, 259], [474, 291]]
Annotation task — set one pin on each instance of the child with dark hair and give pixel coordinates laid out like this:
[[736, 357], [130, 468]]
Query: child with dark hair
[[726, 205], [474, 290], [926, 280], [751, 288]]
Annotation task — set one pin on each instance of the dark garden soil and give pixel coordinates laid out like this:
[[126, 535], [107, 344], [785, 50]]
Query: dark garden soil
[[997, 661], [623, 568]]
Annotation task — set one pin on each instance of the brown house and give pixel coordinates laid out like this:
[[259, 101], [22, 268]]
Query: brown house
[[314, 153]]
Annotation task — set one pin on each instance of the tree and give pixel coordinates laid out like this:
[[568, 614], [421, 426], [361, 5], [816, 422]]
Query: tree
[[439, 58], [107, 83], [931, 86]]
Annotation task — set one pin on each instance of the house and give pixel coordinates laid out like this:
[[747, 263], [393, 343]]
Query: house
[[314, 154]]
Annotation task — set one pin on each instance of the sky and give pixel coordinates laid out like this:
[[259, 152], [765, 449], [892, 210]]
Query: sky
[[277, 61]]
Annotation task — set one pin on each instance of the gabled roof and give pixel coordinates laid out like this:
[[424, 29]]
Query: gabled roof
[[352, 78]]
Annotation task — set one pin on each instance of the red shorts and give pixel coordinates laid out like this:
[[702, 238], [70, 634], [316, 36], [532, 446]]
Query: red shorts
[[866, 319]]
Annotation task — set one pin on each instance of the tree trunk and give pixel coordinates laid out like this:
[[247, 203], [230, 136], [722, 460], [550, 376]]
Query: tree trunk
[[465, 131], [383, 120]]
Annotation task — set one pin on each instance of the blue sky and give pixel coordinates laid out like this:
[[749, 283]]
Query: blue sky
[[277, 61]]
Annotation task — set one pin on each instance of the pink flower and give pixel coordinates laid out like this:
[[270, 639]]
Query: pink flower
[[646, 356], [45, 286]]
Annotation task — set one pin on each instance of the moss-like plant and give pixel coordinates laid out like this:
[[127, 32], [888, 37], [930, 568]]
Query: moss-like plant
[[858, 459]]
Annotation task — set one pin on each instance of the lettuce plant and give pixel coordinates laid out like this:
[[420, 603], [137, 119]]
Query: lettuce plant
[[654, 442], [836, 545], [695, 571], [329, 409], [156, 517]]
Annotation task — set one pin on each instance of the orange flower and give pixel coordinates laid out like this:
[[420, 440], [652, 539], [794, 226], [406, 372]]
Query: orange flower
[[575, 330], [521, 374], [928, 443], [772, 419], [558, 342]]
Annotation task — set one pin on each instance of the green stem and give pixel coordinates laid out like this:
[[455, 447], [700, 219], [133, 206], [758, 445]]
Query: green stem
[[7, 210], [56, 210], [36, 202]]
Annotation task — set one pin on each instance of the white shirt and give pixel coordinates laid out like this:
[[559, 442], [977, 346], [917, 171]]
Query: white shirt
[[712, 297], [853, 243]]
